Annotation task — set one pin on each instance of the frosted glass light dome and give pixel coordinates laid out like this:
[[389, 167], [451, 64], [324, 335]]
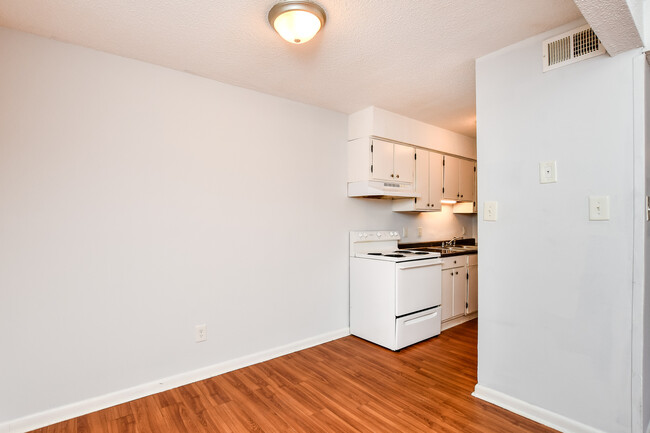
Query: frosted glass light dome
[[297, 21]]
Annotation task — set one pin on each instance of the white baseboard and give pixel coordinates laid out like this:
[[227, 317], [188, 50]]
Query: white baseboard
[[457, 321], [542, 416], [74, 410]]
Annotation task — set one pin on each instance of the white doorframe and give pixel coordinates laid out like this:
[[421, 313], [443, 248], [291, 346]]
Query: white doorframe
[[641, 246]]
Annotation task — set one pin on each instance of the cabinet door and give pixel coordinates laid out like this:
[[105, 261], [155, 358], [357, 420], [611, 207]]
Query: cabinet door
[[460, 289], [450, 178], [472, 289], [422, 180], [446, 304], [404, 163], [466, 180], [382, 160], [435, 180]]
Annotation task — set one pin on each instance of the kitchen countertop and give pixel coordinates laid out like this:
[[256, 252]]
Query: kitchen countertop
[[463, 247]]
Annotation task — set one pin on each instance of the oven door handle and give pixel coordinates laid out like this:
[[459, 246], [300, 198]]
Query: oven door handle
[[419, 265]]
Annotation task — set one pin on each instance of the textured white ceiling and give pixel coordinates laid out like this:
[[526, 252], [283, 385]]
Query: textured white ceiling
[[412, 57]]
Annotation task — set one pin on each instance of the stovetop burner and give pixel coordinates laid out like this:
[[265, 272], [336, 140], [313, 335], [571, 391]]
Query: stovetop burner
[[375, 254], [394, 255]]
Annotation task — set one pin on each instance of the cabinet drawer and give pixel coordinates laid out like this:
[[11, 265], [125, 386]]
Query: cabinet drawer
[[417, 327], [453, 262], [472, 259]]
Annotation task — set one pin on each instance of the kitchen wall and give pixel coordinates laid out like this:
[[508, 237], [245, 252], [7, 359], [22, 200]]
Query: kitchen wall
[[137, 202], [556, 288]]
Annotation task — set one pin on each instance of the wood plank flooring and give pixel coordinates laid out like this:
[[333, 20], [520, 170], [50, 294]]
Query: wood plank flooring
[[347, 385]]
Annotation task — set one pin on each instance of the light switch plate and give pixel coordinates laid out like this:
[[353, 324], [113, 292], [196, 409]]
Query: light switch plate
[[548, 171], [598, 208], [490, 211]]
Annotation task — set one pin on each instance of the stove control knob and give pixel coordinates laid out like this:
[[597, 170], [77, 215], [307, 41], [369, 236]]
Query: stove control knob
[[378, 234]]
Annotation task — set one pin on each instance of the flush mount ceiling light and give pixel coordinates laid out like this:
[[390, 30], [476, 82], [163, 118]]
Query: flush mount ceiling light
[[297, 21]]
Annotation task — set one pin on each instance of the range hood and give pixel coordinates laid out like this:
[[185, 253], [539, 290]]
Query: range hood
[[381, 189]]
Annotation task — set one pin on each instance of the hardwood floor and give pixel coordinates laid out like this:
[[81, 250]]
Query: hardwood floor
[[347, 385]]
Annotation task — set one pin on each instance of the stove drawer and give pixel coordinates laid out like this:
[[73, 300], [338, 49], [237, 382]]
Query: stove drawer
[[417, 327], [417, 286]]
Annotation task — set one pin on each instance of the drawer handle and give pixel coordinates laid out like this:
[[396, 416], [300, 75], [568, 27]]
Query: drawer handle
[[420, 319]]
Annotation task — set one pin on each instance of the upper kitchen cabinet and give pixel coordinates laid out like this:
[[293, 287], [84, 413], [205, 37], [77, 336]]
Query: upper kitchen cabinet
[[458, 179], [380, 168], [391, 161], [428, 184], [381, 157]]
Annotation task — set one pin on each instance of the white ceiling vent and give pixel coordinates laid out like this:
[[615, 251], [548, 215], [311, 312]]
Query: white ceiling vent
[[570, 47]]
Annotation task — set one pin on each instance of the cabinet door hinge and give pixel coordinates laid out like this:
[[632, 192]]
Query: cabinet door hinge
[[443, 161], [474, 169], [415, 156], [370, 168], [443, 189], [416, 200], [371, 147], [467, 275], [466, 305]]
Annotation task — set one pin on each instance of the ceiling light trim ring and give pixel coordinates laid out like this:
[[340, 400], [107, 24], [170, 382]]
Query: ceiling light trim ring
[[286, 6]]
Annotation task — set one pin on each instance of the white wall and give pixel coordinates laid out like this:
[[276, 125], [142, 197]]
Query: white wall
[[638, 9], [137, 202], [556, 288]]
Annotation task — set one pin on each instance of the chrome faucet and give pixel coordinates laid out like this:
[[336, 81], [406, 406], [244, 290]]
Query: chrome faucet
[[451, 242]]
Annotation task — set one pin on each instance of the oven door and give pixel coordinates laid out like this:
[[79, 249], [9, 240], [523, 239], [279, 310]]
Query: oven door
[[417, 285]]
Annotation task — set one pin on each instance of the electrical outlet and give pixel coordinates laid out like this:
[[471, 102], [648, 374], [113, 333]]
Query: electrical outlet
[[598, 208], [419, 232], [405, 232], [201, 333]]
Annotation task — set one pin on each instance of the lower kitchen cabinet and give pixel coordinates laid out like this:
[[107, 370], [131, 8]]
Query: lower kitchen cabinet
[[454, 286], [472, 284], [459, 286]]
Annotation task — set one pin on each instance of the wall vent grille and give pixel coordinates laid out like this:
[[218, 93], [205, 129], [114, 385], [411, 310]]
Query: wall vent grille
[[570, 47]]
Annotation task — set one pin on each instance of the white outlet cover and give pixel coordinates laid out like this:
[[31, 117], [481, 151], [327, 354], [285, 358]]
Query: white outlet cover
[[598, 208], [490, 211], [548, 172]]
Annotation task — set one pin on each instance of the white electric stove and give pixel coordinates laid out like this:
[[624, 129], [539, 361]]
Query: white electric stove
[[395, 293]]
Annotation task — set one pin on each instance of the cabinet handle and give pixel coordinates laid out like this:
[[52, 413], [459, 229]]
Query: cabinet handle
[[397, 176], [392, 175], [458, 195], [461, 195], [456, 272]]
